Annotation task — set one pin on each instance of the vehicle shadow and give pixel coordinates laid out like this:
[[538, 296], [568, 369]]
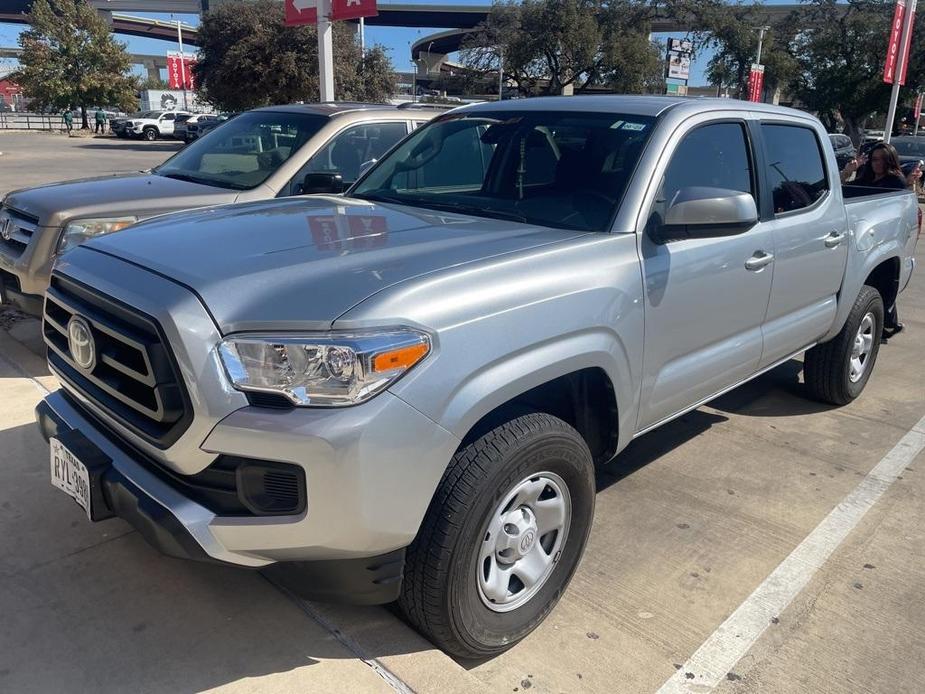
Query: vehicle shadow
[[135, 146], [777, 393]]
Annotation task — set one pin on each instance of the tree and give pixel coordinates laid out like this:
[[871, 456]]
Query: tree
[[249, 58], [69, 58], [840, 52], [551, 46], [730, 31], [153, 83]]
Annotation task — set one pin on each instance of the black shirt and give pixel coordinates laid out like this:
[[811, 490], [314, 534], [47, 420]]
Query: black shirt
[[890, 181]]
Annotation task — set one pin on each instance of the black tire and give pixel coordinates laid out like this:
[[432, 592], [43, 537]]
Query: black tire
[[149, 134], [827, 367], [440, 593]]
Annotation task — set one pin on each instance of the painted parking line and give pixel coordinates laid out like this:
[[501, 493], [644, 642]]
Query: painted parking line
[[718, 655]]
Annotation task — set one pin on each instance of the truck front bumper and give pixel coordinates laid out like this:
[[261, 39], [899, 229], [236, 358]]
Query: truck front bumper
[[366, 493]]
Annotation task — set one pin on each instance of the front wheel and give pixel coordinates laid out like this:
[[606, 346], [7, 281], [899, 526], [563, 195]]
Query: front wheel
[[150, 134], [837, 371], [502, 537]]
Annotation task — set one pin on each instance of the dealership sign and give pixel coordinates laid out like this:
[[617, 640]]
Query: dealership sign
[[180, 71], [306, 11], [756, 83], [893, 39]]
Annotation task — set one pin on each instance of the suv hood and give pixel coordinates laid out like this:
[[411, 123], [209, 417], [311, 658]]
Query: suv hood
[[300, 263], [138, 194]]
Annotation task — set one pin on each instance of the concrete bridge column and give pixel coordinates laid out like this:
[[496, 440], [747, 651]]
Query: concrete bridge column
[[430, 62], [151, 67]]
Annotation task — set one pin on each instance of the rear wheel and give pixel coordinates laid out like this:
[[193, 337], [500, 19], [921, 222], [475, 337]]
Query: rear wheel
[[502, 537], [837, 371]]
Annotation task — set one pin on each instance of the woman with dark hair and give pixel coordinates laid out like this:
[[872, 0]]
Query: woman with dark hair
[[878, 169]]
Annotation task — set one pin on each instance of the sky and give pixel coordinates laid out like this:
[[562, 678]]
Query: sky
[[396, 40]]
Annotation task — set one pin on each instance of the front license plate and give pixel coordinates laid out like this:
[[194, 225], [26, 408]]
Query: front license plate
[[70, 475]]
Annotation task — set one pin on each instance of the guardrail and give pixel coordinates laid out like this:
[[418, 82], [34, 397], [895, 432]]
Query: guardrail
[[32, 121]]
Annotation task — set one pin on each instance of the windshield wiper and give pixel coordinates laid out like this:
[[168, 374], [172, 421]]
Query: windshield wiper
[[446, 205], [474, 210], [201, 181]]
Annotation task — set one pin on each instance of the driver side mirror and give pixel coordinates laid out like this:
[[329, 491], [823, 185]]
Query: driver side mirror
[[701, 212], [326, 182]]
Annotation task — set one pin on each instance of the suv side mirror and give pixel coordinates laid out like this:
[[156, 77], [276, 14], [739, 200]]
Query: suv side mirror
[[325, 182], [701, 212]]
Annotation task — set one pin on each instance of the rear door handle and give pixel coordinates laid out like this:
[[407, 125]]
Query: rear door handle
[[835, 238], [759, 260]]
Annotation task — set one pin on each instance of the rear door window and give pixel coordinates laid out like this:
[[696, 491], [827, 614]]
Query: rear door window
[[353, 147], [795, 169]]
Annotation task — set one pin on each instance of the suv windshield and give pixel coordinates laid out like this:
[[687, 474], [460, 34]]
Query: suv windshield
[[565, 170], [245, 151]]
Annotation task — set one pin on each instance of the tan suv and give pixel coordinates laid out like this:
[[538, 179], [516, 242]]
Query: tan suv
[[264, 153]]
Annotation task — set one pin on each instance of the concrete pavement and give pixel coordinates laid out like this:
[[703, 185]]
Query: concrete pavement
[[690, 520]]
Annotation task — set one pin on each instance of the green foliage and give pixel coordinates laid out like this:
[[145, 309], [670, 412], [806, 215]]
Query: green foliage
[[840, 51], [70, 59], [730, 31], [249, 58], [153, 83], [549, 46]]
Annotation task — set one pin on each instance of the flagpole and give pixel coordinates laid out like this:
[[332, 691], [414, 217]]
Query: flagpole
[[182, 65], [325, 51]]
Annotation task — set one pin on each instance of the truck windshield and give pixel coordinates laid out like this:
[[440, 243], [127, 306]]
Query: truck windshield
[[566, 170], [245, 151]]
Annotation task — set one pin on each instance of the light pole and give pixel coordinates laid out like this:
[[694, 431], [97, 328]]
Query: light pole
[[761, 31], [500, 72], [182, 65]]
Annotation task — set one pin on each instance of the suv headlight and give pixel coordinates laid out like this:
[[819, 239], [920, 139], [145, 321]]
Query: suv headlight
[[323, 369], [80, 230]]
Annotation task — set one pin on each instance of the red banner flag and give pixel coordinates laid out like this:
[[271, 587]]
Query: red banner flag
[[892, 46], [756, 82], [180, 71], [301, 12], [353, 9]]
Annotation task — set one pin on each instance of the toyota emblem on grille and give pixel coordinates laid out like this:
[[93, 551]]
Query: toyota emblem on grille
[[80, 343]]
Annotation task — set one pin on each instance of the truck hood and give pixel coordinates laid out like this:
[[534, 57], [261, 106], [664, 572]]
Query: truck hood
[[300, 263], [140, 194]]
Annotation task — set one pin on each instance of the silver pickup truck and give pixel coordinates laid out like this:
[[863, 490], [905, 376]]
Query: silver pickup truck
[[259, 155], [401, 393]]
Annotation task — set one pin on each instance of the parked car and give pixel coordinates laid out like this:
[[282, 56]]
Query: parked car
[[182, 128], [844, 149], [155, 124], [401, 393], [258, 155], [199, 129]]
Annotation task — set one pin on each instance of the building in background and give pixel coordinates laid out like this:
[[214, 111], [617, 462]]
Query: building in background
[[11, 96]]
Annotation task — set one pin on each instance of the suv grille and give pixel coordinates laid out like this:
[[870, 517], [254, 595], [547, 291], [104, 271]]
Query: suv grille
[[133, 378], [16, 231]]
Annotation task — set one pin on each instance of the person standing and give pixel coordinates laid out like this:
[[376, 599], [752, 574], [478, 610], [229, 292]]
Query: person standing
[[881, 169], [69, 121], [100, 117]]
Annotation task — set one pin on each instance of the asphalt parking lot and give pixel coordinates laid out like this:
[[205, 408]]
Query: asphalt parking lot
[[763, 543]]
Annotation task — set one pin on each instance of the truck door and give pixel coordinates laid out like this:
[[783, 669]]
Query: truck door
[[809, 227], [705, 298]]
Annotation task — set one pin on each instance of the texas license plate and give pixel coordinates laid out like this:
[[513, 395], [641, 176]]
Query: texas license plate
[[70, 475]]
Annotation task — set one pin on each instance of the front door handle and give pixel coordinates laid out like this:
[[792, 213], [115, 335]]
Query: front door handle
[[759, 260], [835, 238]]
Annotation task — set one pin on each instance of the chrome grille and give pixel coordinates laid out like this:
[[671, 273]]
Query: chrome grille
[[134, 378], [16, 231]]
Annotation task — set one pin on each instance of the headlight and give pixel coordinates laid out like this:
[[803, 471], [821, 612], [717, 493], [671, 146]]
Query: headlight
[[80, 230], [322, 369]]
